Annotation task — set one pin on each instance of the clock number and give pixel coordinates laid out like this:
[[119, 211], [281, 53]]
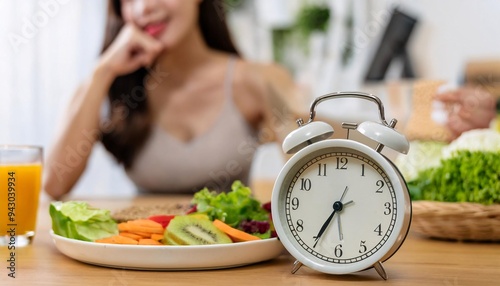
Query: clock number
[[362, 170], [362, 246], [295, 203], [300, 225], [321, 169], [341, 163], [387, 208], [305, 184], [380, 184], [338, 251], [378, 230]]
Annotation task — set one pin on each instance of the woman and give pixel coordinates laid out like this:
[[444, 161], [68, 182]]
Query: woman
[[184, 111]]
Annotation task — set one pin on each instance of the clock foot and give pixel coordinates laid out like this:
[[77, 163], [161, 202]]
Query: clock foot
[[380, 270], [296, 266]]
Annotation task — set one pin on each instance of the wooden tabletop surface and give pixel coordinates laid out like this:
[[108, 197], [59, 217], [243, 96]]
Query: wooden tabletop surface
[[420, 261]]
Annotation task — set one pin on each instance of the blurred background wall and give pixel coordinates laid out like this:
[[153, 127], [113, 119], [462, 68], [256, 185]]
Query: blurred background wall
[[47, 47]]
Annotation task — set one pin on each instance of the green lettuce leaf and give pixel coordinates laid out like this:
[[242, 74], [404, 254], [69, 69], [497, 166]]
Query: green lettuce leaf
[[232, 207], [77, 220], [468, 176]]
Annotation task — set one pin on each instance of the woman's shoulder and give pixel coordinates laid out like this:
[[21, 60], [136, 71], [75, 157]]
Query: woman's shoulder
[[260, 77], [279, 100], [263, 71], [268, 88]]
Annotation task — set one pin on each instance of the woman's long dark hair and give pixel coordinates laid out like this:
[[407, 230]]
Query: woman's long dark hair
[[129, 122]]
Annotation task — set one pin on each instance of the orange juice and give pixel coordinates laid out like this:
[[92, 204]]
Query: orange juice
[[19, 193]]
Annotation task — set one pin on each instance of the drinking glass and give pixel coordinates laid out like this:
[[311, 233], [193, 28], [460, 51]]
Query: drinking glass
[[20, 184]]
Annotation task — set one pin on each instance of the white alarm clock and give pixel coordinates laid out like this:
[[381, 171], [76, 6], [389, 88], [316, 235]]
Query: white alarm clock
[[340, 206]]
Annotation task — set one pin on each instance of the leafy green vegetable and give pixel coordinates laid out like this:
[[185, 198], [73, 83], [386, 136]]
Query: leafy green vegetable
[[422, 155], [233, 207], [468, 176], [78, 220]]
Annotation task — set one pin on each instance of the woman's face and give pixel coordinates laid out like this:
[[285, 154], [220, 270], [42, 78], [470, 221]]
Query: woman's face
[[167, 20]]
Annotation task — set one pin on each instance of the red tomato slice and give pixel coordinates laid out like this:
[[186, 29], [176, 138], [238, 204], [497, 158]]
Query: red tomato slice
[[164, 220]]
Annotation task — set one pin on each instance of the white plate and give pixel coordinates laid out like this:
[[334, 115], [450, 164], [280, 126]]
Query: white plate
[[168, 257]]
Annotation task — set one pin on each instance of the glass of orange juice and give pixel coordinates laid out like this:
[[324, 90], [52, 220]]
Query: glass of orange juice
[[20, 184]]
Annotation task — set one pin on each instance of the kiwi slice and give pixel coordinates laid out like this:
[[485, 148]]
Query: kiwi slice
[[167, 240], [190, 230]]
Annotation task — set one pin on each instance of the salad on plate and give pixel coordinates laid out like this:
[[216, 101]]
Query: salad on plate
[[213, 218]]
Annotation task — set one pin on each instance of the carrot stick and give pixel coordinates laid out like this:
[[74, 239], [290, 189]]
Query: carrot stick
[[146, 223], [134, 228], [118, 239], [105, 240], [156, 236], [148, 241], [235, 234], [132, 232], [131, 235], [143, 234]]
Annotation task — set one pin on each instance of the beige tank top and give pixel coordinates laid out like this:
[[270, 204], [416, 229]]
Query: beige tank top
[[214, 160]]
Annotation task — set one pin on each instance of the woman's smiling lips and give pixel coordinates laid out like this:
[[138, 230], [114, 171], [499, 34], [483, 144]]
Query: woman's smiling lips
[[155, 29]]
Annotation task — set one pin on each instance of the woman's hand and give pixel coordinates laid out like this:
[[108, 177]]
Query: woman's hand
[[468, 108], [131, 50]]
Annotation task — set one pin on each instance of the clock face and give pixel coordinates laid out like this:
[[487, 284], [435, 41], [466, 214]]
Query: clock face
[[338, 206]]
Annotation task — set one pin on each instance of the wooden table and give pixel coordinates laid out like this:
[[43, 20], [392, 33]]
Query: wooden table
[[420, 261]]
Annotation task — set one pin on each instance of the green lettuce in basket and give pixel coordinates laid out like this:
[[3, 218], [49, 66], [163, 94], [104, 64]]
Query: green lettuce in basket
[[467, 176], [77, 220]]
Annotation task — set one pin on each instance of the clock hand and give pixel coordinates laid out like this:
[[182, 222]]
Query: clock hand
[[337, 206], [341, 235], [343, 194], [323, 228]]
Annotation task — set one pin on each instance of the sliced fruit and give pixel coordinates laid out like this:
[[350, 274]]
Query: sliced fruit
[[200, 216], [235, 234], [167, 240], [164, 220], [189, 230]]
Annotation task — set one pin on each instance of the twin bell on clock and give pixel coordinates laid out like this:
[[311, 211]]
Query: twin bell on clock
[[340, 206]]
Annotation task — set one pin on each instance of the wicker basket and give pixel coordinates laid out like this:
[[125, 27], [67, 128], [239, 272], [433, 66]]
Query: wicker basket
[[456, 221]]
